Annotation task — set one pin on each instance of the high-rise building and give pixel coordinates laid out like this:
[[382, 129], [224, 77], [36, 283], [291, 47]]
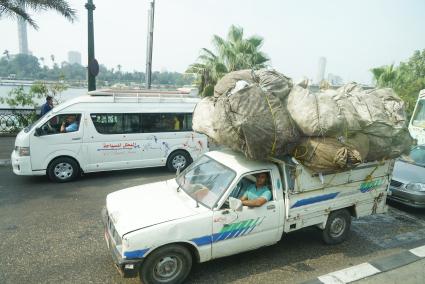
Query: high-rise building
[[74, 57], [23, 37], [321, 70]]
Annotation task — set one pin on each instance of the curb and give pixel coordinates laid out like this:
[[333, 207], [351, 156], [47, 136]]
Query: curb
[[5, 162], [374, 267]]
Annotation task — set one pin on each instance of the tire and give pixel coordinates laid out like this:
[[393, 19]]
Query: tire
[[63, 169], [337, 227], [177, 159], [169, 264]]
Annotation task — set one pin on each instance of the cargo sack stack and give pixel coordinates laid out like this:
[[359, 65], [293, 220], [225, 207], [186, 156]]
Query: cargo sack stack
[[247, 114], [261, 114]]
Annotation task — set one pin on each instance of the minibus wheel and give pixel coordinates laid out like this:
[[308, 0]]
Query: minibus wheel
[[63, 169], [178, 159], [337, 227], [168, 264]]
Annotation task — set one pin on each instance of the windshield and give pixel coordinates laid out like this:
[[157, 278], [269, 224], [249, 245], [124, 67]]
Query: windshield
[[419, 115], [416, 156], [29, 127], [206, 180]]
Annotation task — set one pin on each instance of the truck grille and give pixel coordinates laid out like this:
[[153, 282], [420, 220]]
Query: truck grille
[[395, 183]]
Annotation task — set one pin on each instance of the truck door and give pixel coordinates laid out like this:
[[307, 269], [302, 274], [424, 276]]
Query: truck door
[[237, 231]]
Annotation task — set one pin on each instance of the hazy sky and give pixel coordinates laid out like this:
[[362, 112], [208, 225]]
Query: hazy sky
[[353, 35]]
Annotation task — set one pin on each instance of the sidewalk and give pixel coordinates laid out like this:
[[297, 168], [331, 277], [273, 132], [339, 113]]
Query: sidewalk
[[6, 148], [405, 267]]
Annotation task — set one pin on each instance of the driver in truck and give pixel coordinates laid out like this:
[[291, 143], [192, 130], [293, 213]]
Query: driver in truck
[[257, 194]]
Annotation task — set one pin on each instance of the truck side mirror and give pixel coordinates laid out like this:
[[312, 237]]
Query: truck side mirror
[[235, 204]]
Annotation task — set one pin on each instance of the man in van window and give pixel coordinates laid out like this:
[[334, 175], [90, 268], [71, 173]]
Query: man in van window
[[70, 124], [257, 194]]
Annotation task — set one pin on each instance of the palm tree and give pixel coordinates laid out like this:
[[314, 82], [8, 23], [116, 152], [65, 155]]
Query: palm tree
[[6, 52], [231, 54], [17, 8], [386, 76]]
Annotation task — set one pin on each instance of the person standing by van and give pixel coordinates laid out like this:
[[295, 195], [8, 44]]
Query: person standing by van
[[47, 106]]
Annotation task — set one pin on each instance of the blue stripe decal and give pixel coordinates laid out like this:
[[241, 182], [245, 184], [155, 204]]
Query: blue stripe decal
[[315, 199], [206, 240], [135, 254]]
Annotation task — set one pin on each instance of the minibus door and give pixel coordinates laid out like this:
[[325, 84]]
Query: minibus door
[[61, 135]]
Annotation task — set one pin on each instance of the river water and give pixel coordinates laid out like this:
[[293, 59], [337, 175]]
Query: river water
[[66, 95]]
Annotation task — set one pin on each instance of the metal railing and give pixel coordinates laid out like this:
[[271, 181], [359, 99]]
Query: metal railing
[[13, 120]]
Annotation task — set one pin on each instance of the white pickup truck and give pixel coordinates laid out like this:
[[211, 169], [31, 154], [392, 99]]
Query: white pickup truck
[[158, 230]]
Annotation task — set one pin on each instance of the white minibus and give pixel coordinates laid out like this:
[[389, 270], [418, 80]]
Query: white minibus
[[110, 130]]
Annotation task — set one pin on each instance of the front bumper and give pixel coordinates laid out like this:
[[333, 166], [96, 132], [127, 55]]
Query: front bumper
[[127, 268], [406, 197], [21, 165]]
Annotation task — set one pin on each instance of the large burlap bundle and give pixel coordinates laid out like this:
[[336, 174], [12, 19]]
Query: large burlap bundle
[[228, 82], [268, 79], [327, 113], [325, 155], [254, 122], [383, 147], [380, 111], [204, 117]]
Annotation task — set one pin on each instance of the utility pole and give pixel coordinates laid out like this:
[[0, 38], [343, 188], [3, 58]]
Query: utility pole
[[93, 66], [149, 47]]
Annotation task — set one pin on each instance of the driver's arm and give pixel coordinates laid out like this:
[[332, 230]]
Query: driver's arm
[[255, 202]]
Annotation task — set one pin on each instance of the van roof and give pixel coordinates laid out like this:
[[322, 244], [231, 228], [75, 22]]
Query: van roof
[[135, 99]]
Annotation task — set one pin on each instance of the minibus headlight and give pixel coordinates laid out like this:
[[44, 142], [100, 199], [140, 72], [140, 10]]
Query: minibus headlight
[[23, 151]]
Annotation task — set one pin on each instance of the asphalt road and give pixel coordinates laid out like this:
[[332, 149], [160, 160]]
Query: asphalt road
[[52, 233]]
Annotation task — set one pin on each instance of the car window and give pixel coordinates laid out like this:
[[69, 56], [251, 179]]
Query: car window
[[70, 123], [419, 115]]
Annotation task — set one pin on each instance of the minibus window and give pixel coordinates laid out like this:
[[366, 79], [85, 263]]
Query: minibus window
[[166, 122], [419, 115], [61, 123], [108, 123]]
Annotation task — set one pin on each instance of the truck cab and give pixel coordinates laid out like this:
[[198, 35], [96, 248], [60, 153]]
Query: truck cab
[[158, 230]]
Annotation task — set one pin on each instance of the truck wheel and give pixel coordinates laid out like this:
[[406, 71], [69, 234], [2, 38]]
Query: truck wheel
[[337, 227], [63, 169], [178, 159], [169, 264]]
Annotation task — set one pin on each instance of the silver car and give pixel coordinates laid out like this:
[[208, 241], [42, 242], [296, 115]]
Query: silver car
[[408, 182]]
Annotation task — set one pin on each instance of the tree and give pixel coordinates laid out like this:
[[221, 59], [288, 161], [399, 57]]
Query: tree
[[407, 79], [17, 8], [231, 54]]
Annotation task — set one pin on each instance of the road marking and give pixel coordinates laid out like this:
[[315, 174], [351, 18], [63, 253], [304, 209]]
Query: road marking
[[419, 251], [350, 274]]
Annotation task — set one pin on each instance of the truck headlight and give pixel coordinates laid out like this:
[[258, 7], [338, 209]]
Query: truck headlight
[[23, 151], [416, 187]]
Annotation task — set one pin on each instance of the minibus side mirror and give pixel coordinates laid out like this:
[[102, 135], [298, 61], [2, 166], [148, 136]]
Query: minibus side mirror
[[178, 171], [38, 132]]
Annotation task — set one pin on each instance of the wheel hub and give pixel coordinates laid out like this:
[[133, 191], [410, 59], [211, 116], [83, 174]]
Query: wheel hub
[[63, 170], [179, 161], [166, 268], [337, 227]]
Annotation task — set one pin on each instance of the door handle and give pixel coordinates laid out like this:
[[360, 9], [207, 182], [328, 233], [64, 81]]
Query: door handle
[[270, 207], [78, 138]]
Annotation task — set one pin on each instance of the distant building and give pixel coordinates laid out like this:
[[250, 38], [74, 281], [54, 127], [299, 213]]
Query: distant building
[[74, 57], [335, 80], [23, 37], [321, 70]]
